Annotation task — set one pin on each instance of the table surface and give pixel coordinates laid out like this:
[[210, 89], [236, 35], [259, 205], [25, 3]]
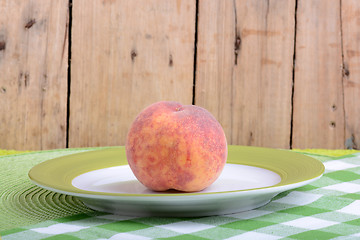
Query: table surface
[[328, 208]]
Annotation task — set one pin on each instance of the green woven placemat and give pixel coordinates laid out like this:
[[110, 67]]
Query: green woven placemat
[[9, 152], [22, 203], [328, 152]]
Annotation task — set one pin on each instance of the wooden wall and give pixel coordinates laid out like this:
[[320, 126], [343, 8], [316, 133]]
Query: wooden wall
[[282, 74]]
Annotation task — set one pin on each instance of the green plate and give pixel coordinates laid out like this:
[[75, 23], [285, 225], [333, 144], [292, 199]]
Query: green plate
[[92, 176]]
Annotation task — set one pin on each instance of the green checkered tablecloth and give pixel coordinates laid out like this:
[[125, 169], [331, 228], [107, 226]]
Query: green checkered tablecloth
[[328, 208]]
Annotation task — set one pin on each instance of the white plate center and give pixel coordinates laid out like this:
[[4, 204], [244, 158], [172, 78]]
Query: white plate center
[[120, 179]]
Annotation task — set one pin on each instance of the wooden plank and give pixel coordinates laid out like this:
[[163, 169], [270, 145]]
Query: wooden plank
[[318, 120], [351, 70], [244, 68], [33, 74], [125, 56]]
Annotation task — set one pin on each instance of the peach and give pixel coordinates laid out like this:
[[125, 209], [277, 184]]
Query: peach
[[174, 146]]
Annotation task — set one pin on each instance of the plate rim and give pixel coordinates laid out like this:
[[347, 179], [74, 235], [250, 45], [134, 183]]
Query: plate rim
[[36, 176]]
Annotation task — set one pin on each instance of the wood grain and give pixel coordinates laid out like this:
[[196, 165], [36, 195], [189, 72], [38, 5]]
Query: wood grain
[[350, 19], [125, 56], [33, 74], [244, 68], [318, 91]]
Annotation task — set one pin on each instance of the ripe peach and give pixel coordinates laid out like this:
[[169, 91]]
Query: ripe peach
[[174, 146]]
